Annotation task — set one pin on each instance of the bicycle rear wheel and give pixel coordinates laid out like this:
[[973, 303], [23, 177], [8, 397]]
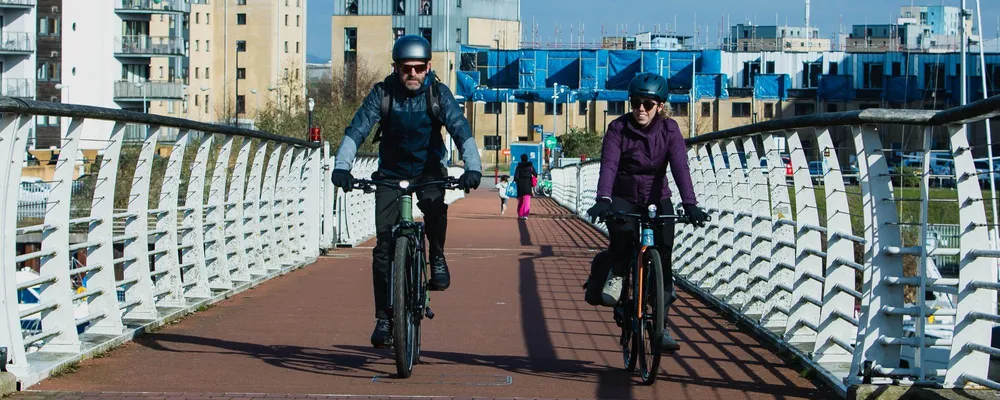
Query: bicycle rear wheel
[[402, 317], [650, 335]]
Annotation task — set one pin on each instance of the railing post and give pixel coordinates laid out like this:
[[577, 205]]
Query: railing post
[[804, 319], [297, 176], [137, 228], [282, 196], [216, 259], [167, 222], [196, 275], [760, 232], [315, 191], [838, 301], [329, 232], [688, 245], [706, 263], [57, 240], [741, 233], [776, 310], [973, 303], [720, 281], [11, 127], [239, 260], [253, 212], [881, 231], [272, 256]]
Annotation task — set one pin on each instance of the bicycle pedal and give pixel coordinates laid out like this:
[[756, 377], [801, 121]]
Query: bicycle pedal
[[429, 313]]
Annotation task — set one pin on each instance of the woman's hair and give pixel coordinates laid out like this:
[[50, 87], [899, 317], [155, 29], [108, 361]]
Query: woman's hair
[[524, 158], [666, 111]]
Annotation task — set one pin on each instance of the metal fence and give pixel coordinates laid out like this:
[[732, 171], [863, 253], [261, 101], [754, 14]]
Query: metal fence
[[142, 45], [17, 41], [831, 273], [227, 209]]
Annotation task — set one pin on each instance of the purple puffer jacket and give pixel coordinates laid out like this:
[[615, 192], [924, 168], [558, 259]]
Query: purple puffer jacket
[[634, 161]]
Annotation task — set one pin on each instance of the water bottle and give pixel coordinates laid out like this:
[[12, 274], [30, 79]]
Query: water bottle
[[647, 237]]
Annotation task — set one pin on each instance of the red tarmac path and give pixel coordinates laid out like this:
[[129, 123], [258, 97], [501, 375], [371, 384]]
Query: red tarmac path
[[513, 324]]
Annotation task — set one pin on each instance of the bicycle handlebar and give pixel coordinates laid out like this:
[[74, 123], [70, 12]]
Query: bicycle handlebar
[[368, 185], [621, 217]]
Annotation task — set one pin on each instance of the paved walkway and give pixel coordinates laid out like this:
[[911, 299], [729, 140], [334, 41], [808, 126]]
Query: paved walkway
[[513, 324]]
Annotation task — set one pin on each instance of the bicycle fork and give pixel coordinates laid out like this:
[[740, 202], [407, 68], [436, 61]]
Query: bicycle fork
[[646, 242]]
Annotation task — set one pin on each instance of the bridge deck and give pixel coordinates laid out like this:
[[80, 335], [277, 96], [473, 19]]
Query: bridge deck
[[513, 324]]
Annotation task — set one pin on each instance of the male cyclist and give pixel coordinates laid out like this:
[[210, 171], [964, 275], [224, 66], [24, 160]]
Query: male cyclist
[[412, 149], [637, 149]]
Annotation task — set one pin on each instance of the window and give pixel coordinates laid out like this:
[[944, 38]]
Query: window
[[873, 75], [197, 18], [934, 76], [241, 19], [425, 7], [286, 73], [583, 107], [241, 73], [399, 8], [241, 46], [286, 19], [352, 7], [458, 3], [833, 68], [831, 108], [241, 106], [750, 72], [679, 109], [197, 45], [770, 67], [286, 47], [298, 20], [616, 107], [397, 32], [426, 33], [207, 73], [458, 35], [805, 108], [208, 45], [208, 18], [897, 68], [206, 104], [741, 110], [196, 103], [350, 39], [522, 108], [548, 109], [197, 75], [768, 110], [161, 72], [297, 47], [491, 142], [48, 26], [493, 107], [810, 74], [241, 2], [706, 109]]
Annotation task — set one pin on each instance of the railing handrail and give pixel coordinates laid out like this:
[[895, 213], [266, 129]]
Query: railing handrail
[[22, 106], [976, 111]]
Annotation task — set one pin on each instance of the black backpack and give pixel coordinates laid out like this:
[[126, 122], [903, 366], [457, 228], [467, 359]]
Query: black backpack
[[433, 107]]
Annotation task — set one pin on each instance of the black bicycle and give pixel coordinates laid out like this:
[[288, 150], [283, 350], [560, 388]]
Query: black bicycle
[[409, 299], [641, 307]]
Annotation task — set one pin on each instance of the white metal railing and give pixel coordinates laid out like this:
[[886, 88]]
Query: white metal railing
[[152, 90], [143, 45], [228, 208], [841, 273], [153, 6], [19, 87], [355, 211]]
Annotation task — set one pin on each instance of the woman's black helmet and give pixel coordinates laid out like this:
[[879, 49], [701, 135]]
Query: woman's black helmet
[[648, 84], [411, 47]]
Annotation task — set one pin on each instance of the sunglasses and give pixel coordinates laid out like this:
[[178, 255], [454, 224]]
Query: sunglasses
[[419, 68], [647, 104]]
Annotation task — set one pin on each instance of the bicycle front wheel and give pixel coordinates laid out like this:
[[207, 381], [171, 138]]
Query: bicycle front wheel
[[402, 317], [650, 335]]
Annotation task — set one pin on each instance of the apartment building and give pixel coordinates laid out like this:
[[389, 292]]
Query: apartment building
[[364, 31], [750, 37], [918, 28]]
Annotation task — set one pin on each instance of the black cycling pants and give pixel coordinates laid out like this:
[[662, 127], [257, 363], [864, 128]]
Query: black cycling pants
[[625, 240]]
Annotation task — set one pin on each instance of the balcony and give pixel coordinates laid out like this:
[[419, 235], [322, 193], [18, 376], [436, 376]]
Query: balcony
[[23, 4], [150, 6], [18, 87], [149, 90], [149, 46], [17, 43]]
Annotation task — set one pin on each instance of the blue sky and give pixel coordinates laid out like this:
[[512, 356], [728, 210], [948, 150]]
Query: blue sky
[[825, 14]]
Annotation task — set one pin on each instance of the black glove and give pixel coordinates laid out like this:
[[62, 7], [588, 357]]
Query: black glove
[[343, 179], [695, 215], [602, 207], [470, 180]]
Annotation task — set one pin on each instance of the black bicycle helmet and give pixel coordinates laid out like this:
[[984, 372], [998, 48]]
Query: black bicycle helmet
[[648, 84], [411, 47]]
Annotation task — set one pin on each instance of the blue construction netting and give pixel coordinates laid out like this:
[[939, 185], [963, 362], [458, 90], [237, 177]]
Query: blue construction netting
[[711, 86], [836, 87], [900, 89], [772, 86]]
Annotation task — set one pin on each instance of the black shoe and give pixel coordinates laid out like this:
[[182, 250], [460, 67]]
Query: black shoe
[[669, 345], [440, 278], [382, 337]]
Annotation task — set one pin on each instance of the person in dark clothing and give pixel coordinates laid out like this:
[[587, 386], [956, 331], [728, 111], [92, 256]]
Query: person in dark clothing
[[636, 151], [524, 176], [412, 148]]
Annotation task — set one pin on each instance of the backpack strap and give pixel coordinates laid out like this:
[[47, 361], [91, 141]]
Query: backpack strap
[[384, 107], [433, 100]]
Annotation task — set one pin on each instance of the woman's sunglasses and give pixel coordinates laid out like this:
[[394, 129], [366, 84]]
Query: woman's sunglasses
[[647, 104]]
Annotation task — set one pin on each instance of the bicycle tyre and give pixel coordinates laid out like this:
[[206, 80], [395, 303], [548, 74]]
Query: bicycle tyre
[[651, 327], [629, 342], [402, 326]]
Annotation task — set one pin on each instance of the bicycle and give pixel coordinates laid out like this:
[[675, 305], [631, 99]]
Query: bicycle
[[409, 299], [641, 317]]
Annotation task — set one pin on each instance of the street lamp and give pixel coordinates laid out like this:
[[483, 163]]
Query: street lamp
[[142, 87], [273, 89], [256, 100]]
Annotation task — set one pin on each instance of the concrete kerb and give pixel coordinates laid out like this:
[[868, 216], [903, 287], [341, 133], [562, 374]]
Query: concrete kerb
[[887, 392], [34, 377]]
